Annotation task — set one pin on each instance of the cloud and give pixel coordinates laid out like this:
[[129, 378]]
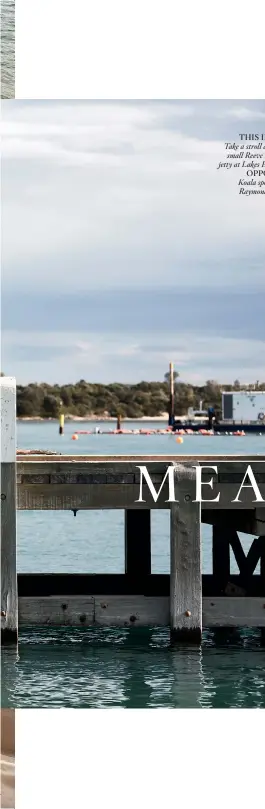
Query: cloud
[[67, 357], [110, 210], [200, 310], [246, 113]]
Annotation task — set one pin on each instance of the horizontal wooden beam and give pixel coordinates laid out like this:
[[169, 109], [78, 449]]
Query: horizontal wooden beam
[[249, 521], [127, 475], [107, 483], [123, 610], [48, 456], [85, 584], [69, 496], [56, 611], [154, 585], [113, 465], [229, 611]]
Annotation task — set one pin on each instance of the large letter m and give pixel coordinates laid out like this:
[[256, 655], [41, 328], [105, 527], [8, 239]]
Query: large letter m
[[144, 475]]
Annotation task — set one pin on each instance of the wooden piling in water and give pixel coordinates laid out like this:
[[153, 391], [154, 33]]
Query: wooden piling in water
[[61, 424], [185, 559], [171, 415], [9, 601]]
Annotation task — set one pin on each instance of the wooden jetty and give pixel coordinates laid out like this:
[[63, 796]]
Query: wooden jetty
[[186, 600]]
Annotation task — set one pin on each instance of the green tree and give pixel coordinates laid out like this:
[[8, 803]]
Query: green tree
[[175, 376], [51, 406]]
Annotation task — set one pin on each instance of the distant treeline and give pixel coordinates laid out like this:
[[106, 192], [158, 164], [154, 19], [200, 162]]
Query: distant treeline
[[142, 399]]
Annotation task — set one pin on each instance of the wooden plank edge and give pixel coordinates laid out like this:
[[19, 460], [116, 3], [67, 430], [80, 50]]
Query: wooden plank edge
[[29, 456], [132, 610]]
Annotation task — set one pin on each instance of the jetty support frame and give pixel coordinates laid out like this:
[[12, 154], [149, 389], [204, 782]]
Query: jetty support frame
[[186, 600]]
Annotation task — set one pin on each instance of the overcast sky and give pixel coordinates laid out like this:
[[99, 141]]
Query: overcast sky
[[124, 247]]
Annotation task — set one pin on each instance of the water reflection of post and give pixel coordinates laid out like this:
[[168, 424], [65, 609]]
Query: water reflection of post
[[243, 690], [140, 662], [137, 690], [117, 671], [224, 635], [188, 680]]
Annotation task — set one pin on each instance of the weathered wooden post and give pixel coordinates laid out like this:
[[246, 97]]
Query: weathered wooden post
[[9, 601], [185, 562], [137, 542]]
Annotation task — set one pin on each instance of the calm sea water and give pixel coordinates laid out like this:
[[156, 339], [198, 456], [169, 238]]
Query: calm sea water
[[128, 667], [7, 48]]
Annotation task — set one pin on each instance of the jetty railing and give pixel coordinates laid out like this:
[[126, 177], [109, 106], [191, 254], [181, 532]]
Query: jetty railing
[[186, 600]]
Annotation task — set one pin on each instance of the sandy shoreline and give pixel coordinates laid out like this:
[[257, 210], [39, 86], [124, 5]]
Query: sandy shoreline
[[32, 419], [7, 758]]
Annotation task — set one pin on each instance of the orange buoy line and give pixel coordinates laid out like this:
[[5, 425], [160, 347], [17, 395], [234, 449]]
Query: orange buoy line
[[166, 431]]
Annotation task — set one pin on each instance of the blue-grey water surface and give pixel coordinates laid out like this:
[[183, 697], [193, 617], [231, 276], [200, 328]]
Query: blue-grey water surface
[[134, 667]]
